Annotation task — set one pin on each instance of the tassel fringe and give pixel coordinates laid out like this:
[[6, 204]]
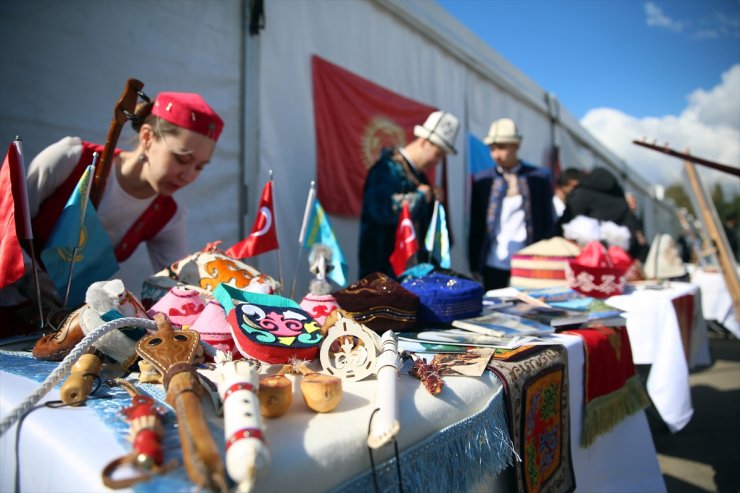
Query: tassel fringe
[[604, 413], [453, 460]]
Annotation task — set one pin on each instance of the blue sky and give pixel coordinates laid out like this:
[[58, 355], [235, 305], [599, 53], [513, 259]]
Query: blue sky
[[665, 69]]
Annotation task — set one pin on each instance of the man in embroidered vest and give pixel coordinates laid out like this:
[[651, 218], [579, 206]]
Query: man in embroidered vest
[[398, 176], [511, 207]]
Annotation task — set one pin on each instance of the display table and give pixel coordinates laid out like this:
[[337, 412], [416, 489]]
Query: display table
[[65, 449], [716, 300], [657, 339]]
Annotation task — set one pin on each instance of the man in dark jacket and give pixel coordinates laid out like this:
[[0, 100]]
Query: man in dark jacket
[[600, 196], [511, 207]]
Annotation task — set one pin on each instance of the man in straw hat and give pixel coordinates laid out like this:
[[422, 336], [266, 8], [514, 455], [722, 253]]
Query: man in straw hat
[[511, 207], [398, 176]]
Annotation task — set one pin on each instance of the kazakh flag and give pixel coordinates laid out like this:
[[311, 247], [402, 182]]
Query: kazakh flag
[[79, 244], [319, 231], [437, 241]]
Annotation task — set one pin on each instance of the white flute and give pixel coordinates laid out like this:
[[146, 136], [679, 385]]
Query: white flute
[[384, 424], [246, 452]]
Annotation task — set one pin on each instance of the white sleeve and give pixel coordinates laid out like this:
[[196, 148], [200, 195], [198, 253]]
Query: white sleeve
[[50, 168], [171, 243]]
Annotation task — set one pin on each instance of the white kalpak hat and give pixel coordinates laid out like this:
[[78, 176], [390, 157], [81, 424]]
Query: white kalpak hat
[[503, 131], [440, 129]]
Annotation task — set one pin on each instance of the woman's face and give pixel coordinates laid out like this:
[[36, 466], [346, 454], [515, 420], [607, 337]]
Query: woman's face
[[175, 161]]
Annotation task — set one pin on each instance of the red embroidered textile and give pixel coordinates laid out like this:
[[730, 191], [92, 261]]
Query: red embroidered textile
[[612, 388]]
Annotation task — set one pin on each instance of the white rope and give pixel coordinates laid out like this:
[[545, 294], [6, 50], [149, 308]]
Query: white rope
[[67, 363]]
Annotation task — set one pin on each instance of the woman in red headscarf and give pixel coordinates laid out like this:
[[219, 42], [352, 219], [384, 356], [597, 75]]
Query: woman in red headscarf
[[177, 135]]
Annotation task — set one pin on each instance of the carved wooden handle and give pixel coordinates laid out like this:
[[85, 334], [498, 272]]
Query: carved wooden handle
[[81, 379]]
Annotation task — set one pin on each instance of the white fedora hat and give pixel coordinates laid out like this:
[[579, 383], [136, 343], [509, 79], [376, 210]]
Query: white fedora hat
[[440, 128], [503, 131]]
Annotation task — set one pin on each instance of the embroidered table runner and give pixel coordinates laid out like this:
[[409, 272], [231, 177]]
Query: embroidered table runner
[[612, 389], [535, 379]]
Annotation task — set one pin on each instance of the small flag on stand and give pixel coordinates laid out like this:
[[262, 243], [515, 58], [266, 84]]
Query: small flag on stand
[[78, 243], [437, 241], [12, 224], [263, 237], [406, 245], [320, 231]]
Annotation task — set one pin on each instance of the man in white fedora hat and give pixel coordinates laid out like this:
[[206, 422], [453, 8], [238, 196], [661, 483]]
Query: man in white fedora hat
[[511, 207], [398, 176]]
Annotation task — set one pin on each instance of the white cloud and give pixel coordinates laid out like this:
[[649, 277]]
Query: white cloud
[[709, 127], [654, 16]]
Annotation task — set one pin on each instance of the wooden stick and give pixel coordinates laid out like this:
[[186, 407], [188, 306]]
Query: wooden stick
[[127, 103]]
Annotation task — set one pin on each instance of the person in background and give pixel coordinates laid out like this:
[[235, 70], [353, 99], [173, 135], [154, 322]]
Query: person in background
[[176, 137], [567, 181], [600, 196], [511, 207], [730, 227], [397, 176]]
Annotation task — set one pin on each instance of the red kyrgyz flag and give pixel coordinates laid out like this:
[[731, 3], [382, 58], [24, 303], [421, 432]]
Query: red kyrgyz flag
[[355, 119], [263, 237], [406, 245], [15, 222]]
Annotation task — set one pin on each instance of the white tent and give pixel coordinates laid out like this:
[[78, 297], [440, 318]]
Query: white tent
[[70, 60]]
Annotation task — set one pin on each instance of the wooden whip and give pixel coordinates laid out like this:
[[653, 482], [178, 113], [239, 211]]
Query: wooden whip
[[127, 103], [688, 157]]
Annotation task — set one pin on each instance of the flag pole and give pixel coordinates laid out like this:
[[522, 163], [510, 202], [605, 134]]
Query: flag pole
[[302, 235], [82, 225], [277, 250], [435, 211], [27, 229]]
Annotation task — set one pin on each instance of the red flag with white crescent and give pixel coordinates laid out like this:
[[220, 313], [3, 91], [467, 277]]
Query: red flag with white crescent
[[263, 237], [406, 245]]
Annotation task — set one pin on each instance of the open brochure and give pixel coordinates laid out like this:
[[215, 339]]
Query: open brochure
[[555, 317], [503, 325], [454, 340]]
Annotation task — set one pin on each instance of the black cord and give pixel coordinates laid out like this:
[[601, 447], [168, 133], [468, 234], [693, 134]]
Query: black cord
[[372, 459], [56, 404]]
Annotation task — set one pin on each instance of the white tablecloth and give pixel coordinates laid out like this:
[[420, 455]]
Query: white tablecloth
[[715, 298], [65, 449], [655, 338]]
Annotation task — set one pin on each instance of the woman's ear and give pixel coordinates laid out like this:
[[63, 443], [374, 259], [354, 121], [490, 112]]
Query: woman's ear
[[146, 136]]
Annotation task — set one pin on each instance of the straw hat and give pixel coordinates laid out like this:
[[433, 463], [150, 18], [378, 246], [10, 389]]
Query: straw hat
[[440, 128], [503, 131]]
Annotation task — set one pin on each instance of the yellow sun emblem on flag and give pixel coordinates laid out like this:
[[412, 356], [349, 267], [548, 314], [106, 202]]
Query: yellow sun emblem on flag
[[380, 132]]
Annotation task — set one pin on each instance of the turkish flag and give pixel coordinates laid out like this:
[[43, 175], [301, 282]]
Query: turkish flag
[[14, 220], [263, 237], [406, 244], [355, 119]]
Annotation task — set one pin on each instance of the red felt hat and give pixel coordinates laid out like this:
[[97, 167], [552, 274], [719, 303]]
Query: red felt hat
[[189, 111], [594, 273]]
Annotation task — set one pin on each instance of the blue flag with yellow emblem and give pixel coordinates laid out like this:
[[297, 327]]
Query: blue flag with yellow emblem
[[437, 241], [319, 231], [79, 244]]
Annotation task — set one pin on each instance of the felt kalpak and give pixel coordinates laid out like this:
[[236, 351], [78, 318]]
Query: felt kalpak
[[542, 264], [181, 305], [268, 327], [214, 328], [444, 298], [380, 303]]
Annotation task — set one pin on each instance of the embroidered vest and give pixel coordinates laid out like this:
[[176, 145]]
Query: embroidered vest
[[146, 227]]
